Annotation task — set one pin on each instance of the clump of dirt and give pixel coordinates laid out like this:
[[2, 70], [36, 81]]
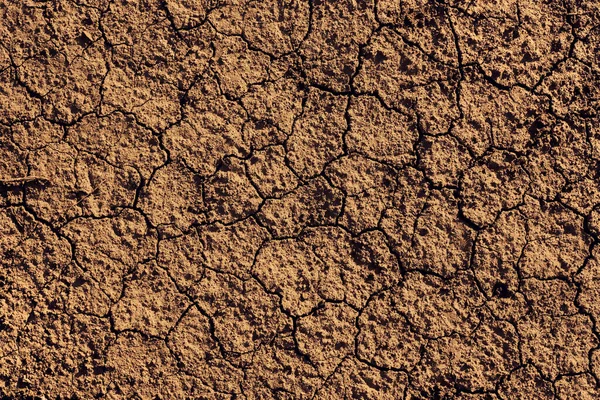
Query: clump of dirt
[[299, 199]]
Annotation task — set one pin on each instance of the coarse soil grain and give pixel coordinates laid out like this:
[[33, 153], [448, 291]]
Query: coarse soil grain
[[299, 199]]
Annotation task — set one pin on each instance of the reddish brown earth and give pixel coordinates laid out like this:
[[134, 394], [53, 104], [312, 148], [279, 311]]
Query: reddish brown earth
[[299, 199]]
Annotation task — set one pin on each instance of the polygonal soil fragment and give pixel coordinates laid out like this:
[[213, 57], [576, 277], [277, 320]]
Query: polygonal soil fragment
[[17, 104], [355, 174], [331, 48], [71, 87], [435, 307], [278, 368], [90, 340], [327, 336], [181, 210], [582, 195], [354, 379], [78, 183], [199, 352], [35, 134], [229, 195], [187, 14], [317, 137], [111, 248], [313, 204], [31, 248], [86, 294], [557, 345], [368, 186], [232, 248], [398, 221], [570, 146], [526, 381], [145, 367], [473, 363], [386, 338], [353, 267], [243, 315], [67, 349], [511, 41], [379, 132], [30, 38], [572, 89], [237, 67], [228, 17], [365, 211], [274, 104], [276, 28], [546, 181], [578, 387], [555, 297], [504, 182], [154, 103], [407, 79], [441, 243], [268, 171], [556, 243], [182, 257], [443, 159], [497, 252], [149, 303], [502, 117], [424, 24], [210, 130], [119, 139], [289, 268]]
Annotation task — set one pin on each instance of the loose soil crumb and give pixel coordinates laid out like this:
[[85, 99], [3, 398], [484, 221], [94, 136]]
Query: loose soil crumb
[[299, 199]]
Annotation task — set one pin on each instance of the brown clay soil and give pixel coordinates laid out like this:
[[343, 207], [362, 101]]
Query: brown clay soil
[[299, 199]]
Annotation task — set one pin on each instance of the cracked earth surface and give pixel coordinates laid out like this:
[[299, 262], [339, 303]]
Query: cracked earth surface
[[299, 199]]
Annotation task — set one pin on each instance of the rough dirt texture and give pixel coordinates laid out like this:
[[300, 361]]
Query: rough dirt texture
[[299, 199]]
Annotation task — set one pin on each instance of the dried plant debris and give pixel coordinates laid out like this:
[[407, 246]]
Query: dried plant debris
[[299, 199]]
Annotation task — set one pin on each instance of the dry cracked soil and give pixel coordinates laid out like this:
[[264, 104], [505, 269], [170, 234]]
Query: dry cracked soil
[[299, 199]]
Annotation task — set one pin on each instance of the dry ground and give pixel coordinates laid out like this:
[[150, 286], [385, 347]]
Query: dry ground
[[299, 199]]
